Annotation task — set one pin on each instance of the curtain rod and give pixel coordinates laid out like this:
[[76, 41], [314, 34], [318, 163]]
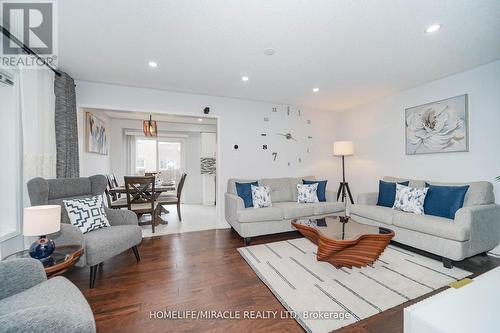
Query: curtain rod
[[27, 50]]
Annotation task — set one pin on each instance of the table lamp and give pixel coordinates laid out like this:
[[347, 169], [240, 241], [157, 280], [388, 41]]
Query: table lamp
[[343, 148], [41, 221]]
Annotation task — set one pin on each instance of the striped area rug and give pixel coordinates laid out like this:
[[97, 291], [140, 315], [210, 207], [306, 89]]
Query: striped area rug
[[322, 298]]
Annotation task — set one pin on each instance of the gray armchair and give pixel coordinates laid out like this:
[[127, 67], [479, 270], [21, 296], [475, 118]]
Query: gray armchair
[[29, 303], [99, 245]]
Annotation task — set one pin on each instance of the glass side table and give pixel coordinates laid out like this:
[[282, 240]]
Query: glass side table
[[63, 258]]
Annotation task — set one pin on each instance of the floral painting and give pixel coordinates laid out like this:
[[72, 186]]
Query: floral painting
[[97, 135], [438, 127]]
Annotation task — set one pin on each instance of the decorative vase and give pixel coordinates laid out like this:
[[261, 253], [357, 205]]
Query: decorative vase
[[42, 249]]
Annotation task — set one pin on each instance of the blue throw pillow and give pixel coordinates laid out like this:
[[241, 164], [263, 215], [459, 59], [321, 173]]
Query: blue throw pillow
[[321, 191], [444, 201], [387, 193], [244, 191]]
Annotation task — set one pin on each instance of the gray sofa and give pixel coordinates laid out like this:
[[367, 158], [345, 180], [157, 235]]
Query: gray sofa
[[475, 229], [29, 303], [101, 244], [251, 222]]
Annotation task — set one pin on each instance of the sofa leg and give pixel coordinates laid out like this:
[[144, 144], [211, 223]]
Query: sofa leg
[[93, 274], [484, 254], [448, 263], [247, 240], [136, 253]]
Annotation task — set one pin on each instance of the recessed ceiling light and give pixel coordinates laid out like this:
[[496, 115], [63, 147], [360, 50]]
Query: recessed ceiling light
[[152, 64], [200, 120], [244, 78], [269, 51], [433, 28], [315, 89]]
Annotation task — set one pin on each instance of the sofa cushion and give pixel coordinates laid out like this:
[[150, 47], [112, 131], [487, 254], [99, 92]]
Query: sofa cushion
[[293, 210], [231, 184], [295, 181], [377, 213], [444, 201], [432, 225], [479, 193], [321, 191], [107, 242], [244, 191], [387, 193], [260, 215], [323, 208], [280, 189]]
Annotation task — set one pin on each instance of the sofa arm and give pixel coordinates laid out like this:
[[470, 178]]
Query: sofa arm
[[20, 274], [483, 222], [68, 235], [368, 198], [233, 204], [121, 217]]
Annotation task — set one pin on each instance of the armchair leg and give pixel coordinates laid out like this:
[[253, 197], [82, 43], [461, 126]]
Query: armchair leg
[[93, 274], [247, 241], [179, 211], [136, 253]]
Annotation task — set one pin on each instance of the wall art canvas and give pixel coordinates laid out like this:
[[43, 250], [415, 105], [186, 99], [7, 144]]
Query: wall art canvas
[[96, 135], [438, 127]]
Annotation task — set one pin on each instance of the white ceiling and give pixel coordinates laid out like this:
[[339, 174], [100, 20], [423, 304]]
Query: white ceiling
[[355, 51], [156, 116]]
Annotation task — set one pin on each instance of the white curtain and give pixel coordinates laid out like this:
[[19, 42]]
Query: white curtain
[[37, 105]]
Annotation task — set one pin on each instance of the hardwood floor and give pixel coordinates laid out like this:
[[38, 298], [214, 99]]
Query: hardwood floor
[[203, 271]]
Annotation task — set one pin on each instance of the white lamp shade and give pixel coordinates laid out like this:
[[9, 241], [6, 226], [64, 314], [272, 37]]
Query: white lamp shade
[[41, 220], [343, 148]]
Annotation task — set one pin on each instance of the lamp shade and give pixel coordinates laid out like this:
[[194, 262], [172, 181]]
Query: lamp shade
[[343, 148], [41, 220]]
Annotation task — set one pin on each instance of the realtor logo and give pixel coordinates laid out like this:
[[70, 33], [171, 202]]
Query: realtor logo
[[31, 24]]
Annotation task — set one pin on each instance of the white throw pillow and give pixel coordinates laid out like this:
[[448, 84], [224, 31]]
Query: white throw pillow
[[87, 214], [410, 199], [307, 193], [261, 196]]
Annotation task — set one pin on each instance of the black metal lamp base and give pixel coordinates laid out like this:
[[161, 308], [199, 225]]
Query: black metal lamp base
[[344, 191]]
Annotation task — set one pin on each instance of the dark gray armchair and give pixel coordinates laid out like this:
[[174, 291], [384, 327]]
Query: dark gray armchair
[[99, 245], [29, 303]]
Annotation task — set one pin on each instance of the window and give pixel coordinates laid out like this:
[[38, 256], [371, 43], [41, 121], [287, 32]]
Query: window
[[159, 155]]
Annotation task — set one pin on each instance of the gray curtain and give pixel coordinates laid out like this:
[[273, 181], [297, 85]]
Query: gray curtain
[[67, 165]]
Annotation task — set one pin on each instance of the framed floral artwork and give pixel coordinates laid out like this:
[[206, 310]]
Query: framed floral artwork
[[438, 127]]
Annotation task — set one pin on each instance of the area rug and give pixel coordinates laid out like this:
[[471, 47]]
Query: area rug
[[322, 298]]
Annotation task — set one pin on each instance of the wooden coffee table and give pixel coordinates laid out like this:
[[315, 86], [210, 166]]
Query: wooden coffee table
[[344, 244]]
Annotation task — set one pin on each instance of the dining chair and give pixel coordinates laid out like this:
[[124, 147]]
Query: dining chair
[[141, 198], [113, 201], [174, 198]]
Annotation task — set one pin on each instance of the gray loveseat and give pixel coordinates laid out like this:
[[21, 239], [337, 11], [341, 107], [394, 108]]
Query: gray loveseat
[[251, 222], [475, 229], [29, 303]]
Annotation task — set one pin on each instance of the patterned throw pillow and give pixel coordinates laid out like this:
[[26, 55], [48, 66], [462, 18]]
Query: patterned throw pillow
[[261, 196], [307, 193], [87, 214], [409, 199]]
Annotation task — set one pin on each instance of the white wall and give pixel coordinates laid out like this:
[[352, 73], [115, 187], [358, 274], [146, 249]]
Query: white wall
[[378, 133], [91, 163], [240, 122]]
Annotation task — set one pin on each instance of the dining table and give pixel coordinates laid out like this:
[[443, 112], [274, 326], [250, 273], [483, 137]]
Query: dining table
[[160, 187]]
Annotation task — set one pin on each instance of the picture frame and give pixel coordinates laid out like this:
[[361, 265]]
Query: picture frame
[[438, 127], [96, 135]]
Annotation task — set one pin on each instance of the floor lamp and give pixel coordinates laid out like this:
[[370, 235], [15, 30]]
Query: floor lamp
[[343, 148]]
